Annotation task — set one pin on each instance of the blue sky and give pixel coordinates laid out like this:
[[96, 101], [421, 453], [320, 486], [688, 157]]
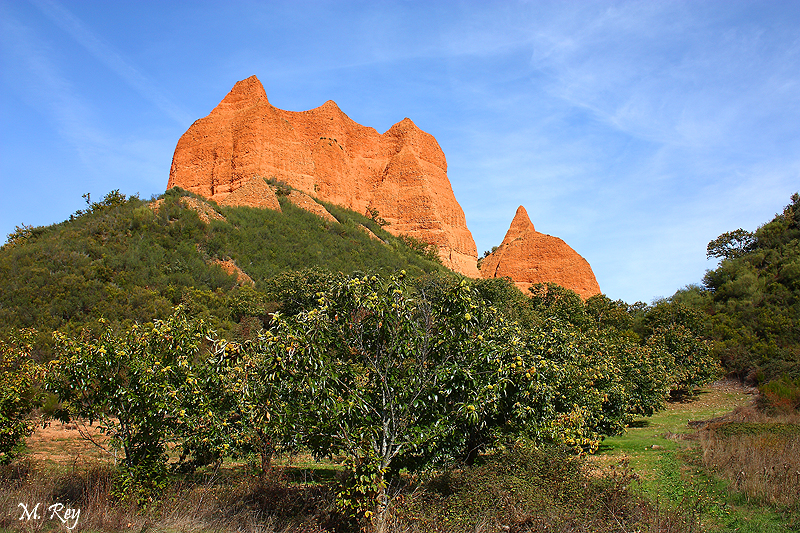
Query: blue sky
[[635, 131]]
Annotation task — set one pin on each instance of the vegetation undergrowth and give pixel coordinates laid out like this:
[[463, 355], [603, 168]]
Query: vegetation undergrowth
[[448, 404], [682, 461], [532, 490], [519, 489]]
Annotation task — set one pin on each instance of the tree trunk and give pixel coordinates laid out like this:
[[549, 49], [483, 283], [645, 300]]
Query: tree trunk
[[266, 450], [474, 446], [379, 521]]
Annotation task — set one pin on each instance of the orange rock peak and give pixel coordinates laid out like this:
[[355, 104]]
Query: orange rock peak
[[527, 257], [519, 225], [322, 152], [244, 94]]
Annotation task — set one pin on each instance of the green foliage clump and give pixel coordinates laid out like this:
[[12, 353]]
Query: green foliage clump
[[754, 298], [400, 372], [18, 394], [528, 489], [21, 235], [422, 248], [655, 351], [142, 386], [682, 332], [731, 244], [782, 394]]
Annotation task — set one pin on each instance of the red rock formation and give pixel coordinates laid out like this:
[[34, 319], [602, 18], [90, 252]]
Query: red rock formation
[[401, 173], [254, 193], [205, 212], [527, 257], [369, 233], [230, 268]]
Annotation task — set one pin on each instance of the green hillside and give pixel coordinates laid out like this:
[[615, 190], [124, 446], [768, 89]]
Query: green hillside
[[751, 303], [124, 261]]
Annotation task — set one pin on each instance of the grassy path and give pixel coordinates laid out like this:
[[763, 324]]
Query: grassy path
[[664, 452]]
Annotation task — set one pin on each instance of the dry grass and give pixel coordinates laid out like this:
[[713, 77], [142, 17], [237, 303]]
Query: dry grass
[[72, 464], [74, 445], [758, 453], [241, 504]]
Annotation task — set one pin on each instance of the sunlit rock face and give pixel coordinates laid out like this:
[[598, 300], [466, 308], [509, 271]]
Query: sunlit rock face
[[401, 173], [527, 257]]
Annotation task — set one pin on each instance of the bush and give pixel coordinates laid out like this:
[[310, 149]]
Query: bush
[[141, 385], [525, 489], [781, 394], [18, 394]]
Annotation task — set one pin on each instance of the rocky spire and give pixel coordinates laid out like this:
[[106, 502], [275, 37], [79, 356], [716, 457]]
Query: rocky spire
[[519, 225], [527, 257]]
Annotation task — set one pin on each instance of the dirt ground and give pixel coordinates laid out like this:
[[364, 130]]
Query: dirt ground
[[65, 445]]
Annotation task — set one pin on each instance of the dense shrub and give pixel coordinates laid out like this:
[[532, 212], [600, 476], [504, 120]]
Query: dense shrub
[[525, 489], [755, 298], [781, 394], [143, 386], [18, 394]]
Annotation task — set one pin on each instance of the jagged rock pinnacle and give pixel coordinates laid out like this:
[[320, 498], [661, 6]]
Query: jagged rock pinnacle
[[402, 173], [527, 257]]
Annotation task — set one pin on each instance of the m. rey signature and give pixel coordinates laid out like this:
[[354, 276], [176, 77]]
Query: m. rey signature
[[58, 511]]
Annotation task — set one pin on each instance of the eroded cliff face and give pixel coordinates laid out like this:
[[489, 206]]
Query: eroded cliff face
[[527, 257], [401, 173]]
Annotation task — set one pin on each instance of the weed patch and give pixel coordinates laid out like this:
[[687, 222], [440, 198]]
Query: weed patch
[[761, 460], [529, 490]]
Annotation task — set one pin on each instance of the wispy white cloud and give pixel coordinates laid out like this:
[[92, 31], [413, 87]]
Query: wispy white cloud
[[112, 59], [44, 87], [692, 82]]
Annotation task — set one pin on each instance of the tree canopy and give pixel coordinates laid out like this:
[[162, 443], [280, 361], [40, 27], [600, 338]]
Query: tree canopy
[[753, 298]]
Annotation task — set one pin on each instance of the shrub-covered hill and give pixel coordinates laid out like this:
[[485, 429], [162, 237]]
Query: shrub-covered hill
[[756, 297], [753, 299], [123, 260]]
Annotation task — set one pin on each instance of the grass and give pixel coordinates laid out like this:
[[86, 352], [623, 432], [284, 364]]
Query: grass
[[668, 431], [665, 450]]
